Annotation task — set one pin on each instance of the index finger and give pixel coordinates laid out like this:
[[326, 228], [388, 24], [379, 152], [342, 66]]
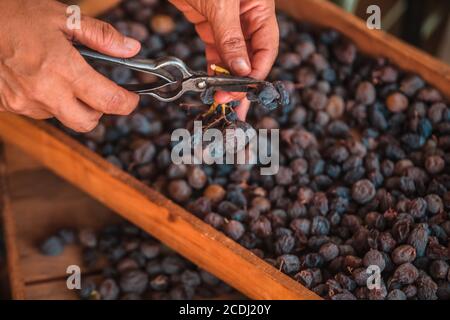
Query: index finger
[[99, 92]]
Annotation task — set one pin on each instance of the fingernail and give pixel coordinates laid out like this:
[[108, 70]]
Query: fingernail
[[240, 66], [131, 44]]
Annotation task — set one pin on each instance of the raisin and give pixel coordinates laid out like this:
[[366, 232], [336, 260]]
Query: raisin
[[329, 251], [396, 294], [196, 177], [149, 250], [365, 93], [403, 254], [109, 290], [288, 263], [87, 238], [214, 192], [439, 269], [396, 102], [405, 274], [363, 191], [261, 227], [284, 244], [234, 229], [190, 278], [374, 258], [434, 164], [215, 220]]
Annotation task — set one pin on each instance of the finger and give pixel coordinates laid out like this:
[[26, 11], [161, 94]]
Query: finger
[[77, 115], [101, 93], [205, 32], [242, 109], [212, 57], [264, 55], [228, 36], [104, 38]]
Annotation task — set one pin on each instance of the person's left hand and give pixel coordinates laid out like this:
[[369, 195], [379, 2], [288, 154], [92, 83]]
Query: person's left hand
[[241, 35]]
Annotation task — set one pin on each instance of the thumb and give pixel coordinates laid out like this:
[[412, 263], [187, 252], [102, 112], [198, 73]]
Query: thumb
[[104, 38], [228, 36]]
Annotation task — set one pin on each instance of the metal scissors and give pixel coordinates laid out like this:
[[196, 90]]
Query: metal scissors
[[175, 77]]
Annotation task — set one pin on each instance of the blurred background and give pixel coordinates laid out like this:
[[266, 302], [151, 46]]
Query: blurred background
[[424, 24]]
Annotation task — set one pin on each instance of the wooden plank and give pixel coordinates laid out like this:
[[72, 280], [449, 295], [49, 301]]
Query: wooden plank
[[57, 290], [186, 234], [9, 227], [371, 42]]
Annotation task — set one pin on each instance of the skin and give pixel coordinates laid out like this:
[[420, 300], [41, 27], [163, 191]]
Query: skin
[[43, 76], [241, 35]]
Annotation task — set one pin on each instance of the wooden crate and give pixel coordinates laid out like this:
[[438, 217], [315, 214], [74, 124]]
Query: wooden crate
[[29, 218], [170, 223]]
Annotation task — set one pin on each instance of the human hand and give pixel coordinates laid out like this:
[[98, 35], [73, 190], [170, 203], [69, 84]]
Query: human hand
[[241, 35], [42, 75]]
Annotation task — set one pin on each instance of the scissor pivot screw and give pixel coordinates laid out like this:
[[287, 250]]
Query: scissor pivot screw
[[201, 84]]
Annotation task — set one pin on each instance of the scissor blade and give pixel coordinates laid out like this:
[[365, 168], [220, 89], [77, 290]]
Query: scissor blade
[[226, 80], [157, 87]]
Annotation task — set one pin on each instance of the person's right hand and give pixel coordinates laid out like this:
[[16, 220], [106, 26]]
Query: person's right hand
[[42, 75]]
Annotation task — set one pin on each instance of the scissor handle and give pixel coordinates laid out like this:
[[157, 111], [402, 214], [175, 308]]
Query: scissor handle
[[179, 78], [152, 66]]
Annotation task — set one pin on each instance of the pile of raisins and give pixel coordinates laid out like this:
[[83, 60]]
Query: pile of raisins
[[138, 266], [365, 162]]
